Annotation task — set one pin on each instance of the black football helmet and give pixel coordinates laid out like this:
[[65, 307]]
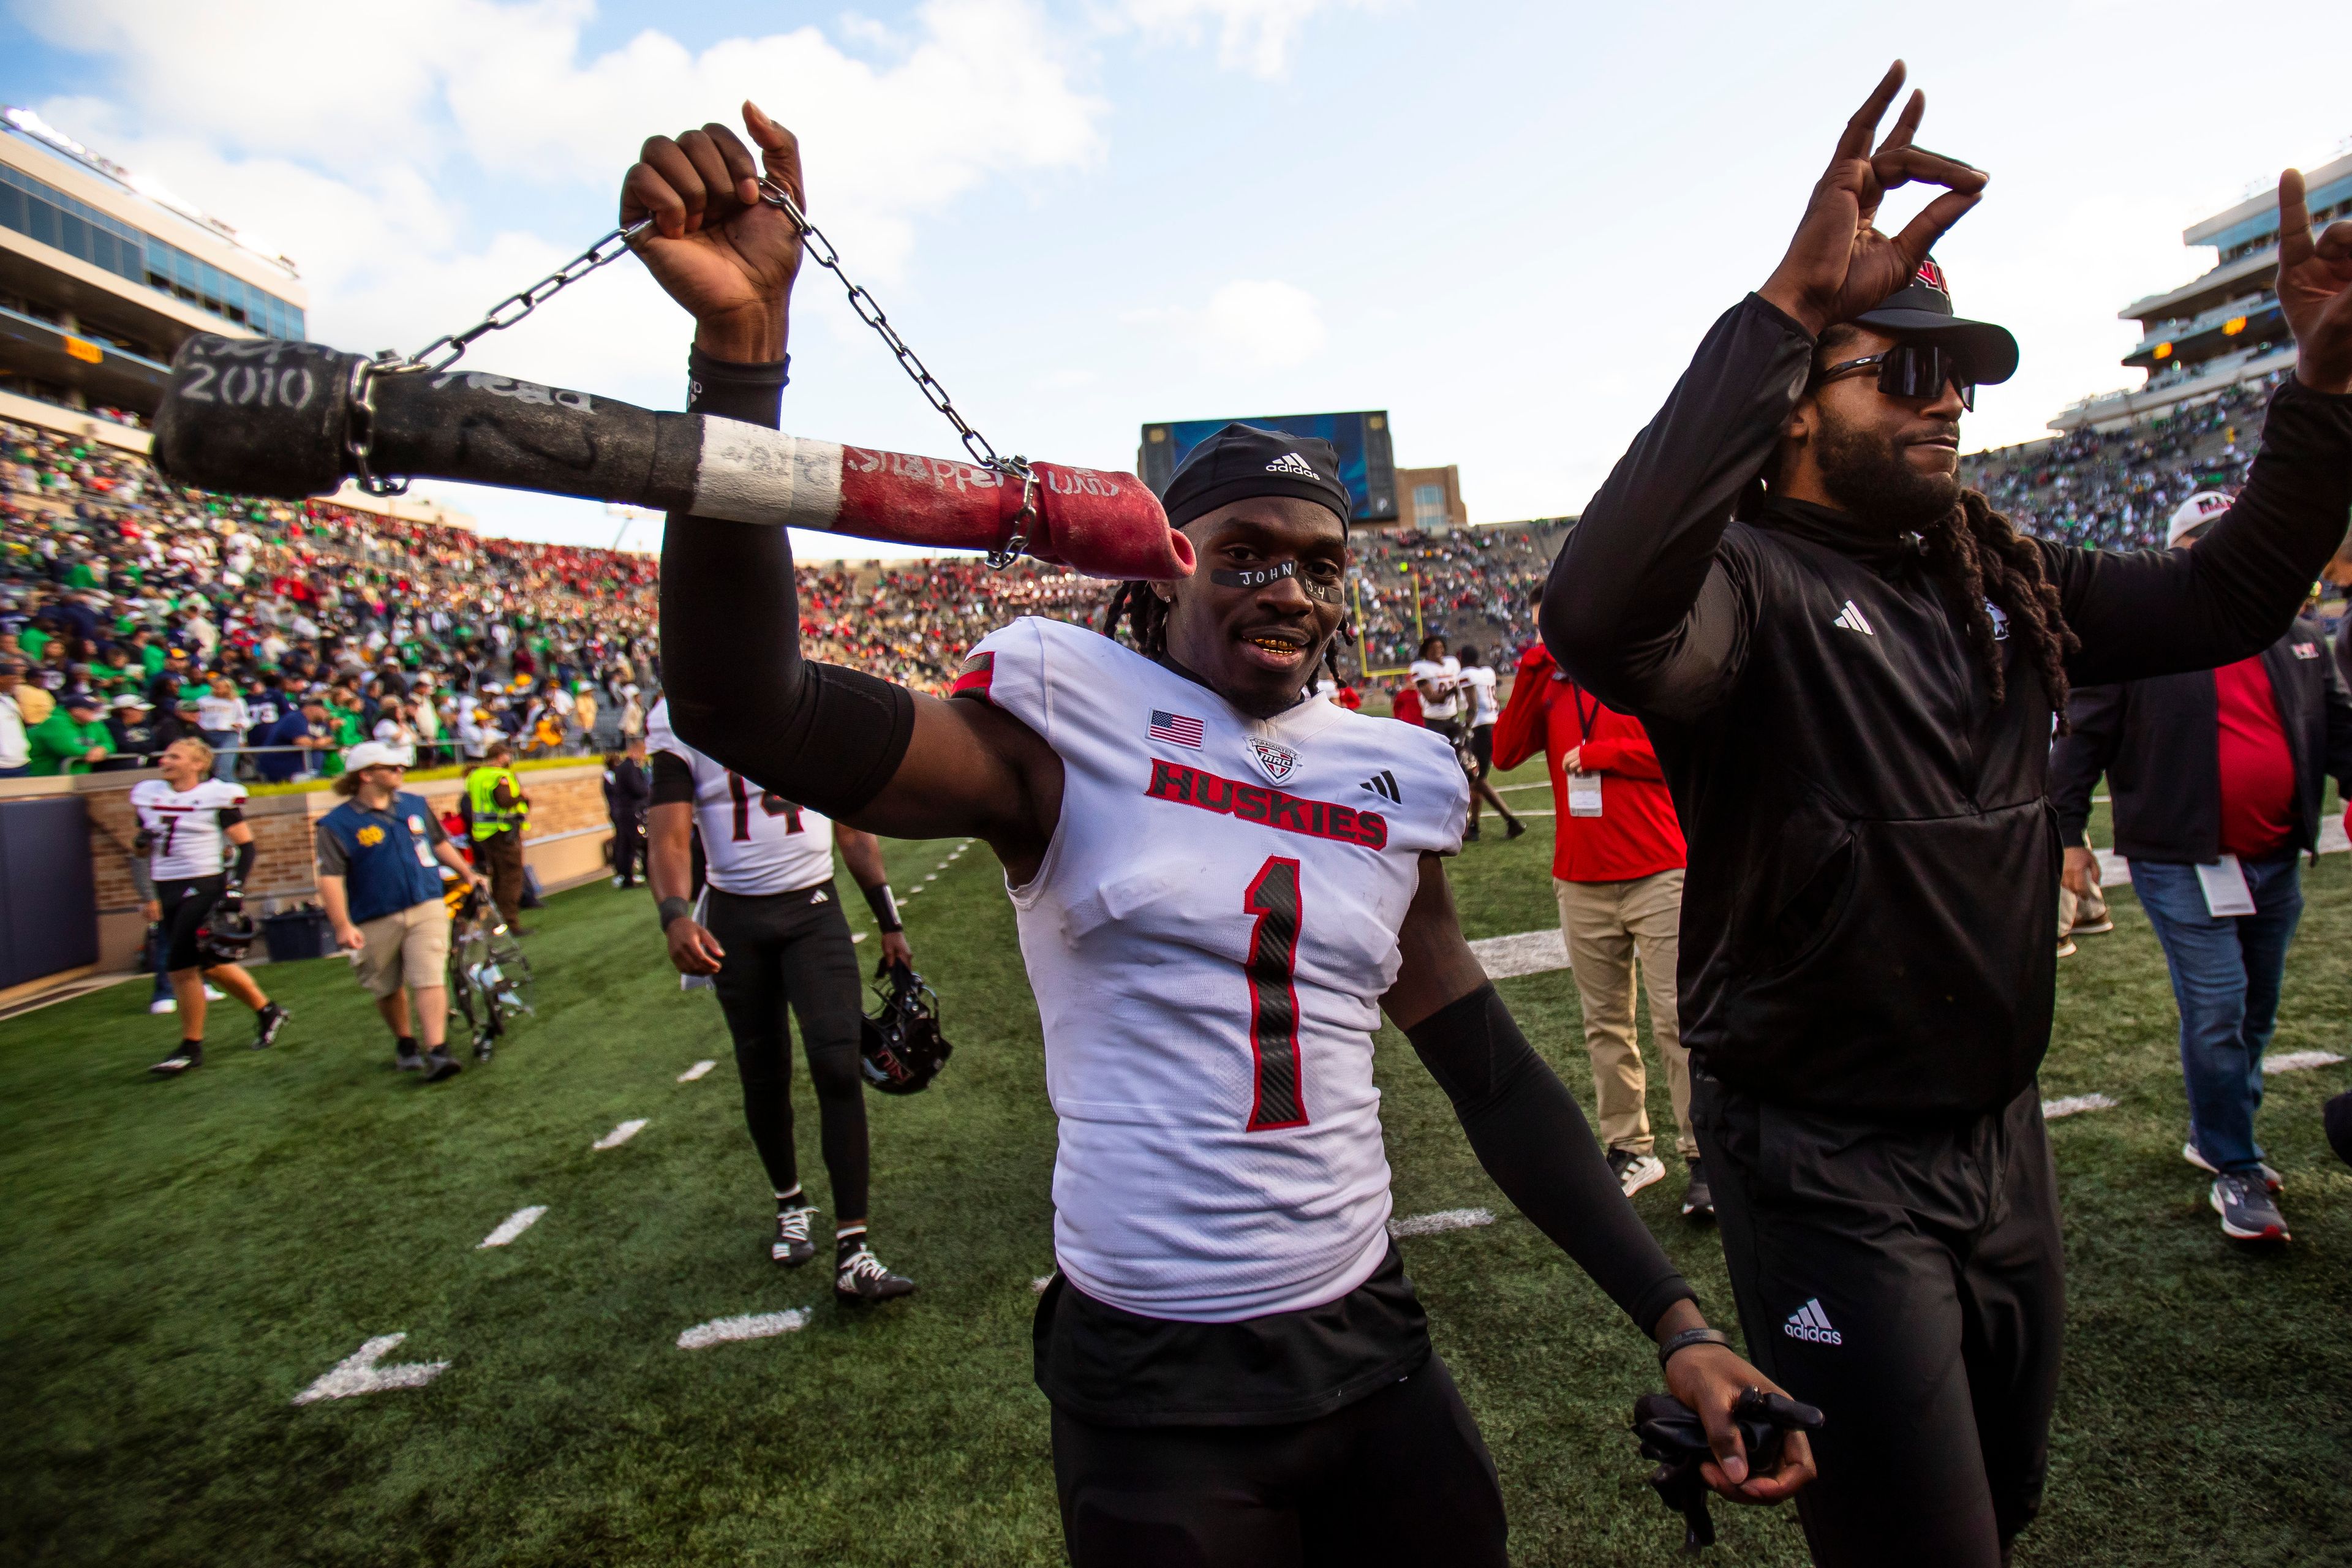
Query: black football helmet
[[902, 1049], [226, 931]]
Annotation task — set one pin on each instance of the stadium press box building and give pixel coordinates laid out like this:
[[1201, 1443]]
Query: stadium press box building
[[2224, 327], [101, 281]]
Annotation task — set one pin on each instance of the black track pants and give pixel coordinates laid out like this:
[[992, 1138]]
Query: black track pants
[[1910, 1280], [1400, 1477], [790, 948]]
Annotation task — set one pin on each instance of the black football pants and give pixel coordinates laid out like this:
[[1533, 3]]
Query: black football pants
[[1910, 1280], [792, 950], [1399, 1478]]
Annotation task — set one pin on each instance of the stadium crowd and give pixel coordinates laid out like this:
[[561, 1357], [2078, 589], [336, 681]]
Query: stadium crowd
[[2118, 489]]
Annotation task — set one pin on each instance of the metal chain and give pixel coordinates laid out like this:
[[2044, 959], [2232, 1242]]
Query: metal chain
[[445, 351]]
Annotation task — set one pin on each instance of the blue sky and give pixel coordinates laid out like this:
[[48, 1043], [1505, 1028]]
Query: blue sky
[[1507, 224]]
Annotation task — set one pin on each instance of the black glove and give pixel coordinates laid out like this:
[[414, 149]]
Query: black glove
[[1672, 1434]]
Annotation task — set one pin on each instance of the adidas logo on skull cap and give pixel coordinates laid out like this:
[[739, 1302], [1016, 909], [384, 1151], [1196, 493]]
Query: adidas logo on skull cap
[[1291, 463]]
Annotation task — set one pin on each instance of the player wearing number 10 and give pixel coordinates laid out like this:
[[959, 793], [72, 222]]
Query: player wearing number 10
[[1215, 905]]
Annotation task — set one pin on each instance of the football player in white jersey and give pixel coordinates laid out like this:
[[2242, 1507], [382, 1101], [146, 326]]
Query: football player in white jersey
[[188, 823], [769, 931], [1222, 883]]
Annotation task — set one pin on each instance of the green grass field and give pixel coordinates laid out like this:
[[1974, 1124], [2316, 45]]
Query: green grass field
[[182, 1258]]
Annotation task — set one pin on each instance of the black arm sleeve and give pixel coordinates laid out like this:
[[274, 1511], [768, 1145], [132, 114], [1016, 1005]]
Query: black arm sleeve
[[2156, 612], [1639, 607], [2093, 719], [1528, 1133], [673, 780], [739, 690], [247, 853]]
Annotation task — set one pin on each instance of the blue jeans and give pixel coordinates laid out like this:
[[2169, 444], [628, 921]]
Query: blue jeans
[[224, 743], [2225, 979]]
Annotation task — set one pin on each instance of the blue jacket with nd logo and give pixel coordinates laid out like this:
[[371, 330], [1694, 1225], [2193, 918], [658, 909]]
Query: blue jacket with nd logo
[[385, 858]]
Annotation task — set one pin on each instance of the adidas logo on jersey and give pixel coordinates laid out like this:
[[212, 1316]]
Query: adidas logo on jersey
[[1853, 619], [1383, 783], [1810, 1322], [1293, 464]]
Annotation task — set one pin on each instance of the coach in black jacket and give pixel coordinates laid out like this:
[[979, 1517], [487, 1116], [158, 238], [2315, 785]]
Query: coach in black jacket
[[2216, 776], [1850, 692]]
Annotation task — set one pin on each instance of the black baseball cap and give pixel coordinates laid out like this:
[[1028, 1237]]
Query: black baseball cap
[[1921, 310], [1242, 460]]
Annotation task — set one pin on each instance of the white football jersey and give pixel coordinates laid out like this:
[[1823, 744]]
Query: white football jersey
[[188, 840], [1209, 937], [1478, 680], [753, 842], [1443, 673]]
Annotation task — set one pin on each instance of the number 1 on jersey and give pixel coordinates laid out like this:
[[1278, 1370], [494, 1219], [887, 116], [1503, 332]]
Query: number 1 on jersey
[[1273, 898]]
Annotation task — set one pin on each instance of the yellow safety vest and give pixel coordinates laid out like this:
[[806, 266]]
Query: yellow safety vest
[[489, 817]]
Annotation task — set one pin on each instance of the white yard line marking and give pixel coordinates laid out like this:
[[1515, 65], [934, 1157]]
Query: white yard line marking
[[1444, 1219], [620, 1134], [358, 1373], [514, 1225], [696, 1071], [2297, 1061], [1539, 784], [932, 877], [1528, 952], [753, 1326], [2075, 1104]]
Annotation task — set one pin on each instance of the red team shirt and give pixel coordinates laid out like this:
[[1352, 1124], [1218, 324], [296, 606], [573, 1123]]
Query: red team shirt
[[2257, 771], [1637, 833]]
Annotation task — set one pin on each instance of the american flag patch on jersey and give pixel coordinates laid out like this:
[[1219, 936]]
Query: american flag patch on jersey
[[1176, 729]]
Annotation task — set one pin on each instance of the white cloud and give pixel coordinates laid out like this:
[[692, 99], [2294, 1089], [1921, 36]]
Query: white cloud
[[342, 132], [1248, 324], [1256, 35]]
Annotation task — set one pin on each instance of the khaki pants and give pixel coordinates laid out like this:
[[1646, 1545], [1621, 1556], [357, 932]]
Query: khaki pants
[[1615, 931]]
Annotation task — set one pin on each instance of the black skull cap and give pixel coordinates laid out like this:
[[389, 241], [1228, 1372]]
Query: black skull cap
[[1243, 460]]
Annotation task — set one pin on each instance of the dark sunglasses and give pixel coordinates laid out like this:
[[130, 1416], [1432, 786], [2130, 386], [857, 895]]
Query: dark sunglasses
[[1911, 369]]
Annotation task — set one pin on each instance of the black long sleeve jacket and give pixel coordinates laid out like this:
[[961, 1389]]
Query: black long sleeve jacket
[[2157, 741], [1874, 861]]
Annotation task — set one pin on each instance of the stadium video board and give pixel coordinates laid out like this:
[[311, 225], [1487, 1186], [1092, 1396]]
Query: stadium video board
[[1362, 440]]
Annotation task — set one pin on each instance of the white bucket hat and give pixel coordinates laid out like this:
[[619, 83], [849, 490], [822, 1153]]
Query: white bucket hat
[[374, 754]]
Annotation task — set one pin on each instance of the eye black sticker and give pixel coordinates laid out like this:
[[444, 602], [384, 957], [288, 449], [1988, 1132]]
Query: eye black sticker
[[1259, 576]]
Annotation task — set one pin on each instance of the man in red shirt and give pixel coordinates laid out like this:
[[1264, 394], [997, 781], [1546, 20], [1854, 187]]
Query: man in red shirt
[[1617, 867], [2217, 778]]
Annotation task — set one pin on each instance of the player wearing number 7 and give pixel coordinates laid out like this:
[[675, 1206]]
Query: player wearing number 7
[[1221, 882]]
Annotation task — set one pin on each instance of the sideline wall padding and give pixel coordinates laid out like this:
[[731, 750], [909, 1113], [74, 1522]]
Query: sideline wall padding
[[49, 899]]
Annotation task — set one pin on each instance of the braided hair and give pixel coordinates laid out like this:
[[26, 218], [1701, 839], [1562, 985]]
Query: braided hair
[[1978, 555], [1146, 615]]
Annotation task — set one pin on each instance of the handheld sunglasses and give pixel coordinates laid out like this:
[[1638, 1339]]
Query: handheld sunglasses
[[1910, 369]]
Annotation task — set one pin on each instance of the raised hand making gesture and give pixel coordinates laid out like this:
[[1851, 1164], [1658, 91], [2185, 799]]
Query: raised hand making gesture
[[1839, 265], [2314, 291], [715, 246]]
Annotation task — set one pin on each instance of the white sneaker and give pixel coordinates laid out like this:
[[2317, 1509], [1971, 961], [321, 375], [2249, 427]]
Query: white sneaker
[[213, 996], [618, 882], [1636, 1172], [2066, 947], [2271, 1180], [168, 1004]]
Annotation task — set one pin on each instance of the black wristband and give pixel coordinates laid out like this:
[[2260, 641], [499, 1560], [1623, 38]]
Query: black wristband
[[753, 393], [673, 909], [885, 908], [1689, 1337]]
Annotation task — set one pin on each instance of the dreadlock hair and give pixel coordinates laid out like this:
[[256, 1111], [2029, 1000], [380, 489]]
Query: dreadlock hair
[[1145, 612], [1977, 554]]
